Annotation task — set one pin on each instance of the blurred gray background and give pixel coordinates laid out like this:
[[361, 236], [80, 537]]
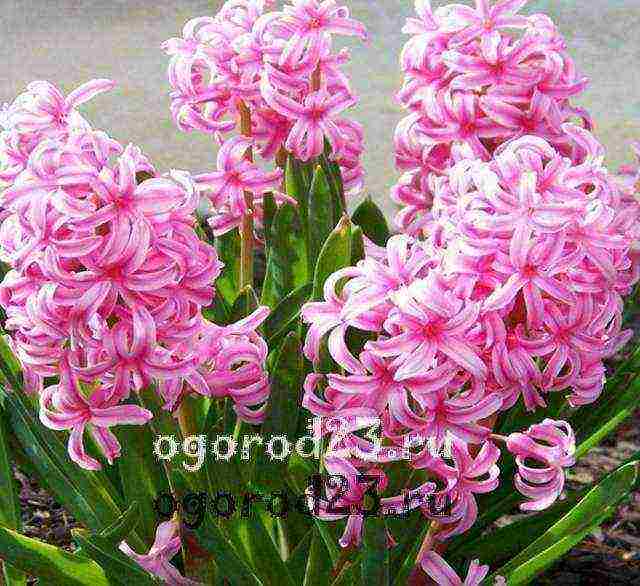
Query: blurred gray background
[[71, 41]]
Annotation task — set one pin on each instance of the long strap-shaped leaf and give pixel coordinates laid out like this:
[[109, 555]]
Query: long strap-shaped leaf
[[51, 564], [591, 511], [9, 500], [89, 496], [119, 568]]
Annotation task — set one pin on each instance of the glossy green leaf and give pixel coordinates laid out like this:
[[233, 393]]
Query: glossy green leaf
[[375, 555], [357, 245], [269, 210], [334, 178], [52, 565], [600, 502], [297, 562], [9, 499], [246, 303], [283, 318], [297, 186], [164, 425], [9, 365], [407, 557], [372, 221], [251, 538], [118, 567], [594, 425], [89, 496], [228, 283], [124, 526], [505, 542], [322, 219], [286, 380], [319, 566], [335, 255], [286, 258], [142, 477], [219, 311], [210, 538]]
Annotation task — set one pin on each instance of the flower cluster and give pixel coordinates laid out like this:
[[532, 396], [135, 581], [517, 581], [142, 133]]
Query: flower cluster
[[470, 85], [275, 75], [108, 278], [515, 293]]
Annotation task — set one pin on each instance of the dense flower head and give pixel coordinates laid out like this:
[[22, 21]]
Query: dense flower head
[[514, 293], [474, 79], [108, 280], [273, 75]]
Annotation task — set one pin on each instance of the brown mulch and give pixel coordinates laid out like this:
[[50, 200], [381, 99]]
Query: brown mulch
[[610, 556]]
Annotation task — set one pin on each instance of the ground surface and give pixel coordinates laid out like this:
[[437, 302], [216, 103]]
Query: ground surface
[[70, 41]]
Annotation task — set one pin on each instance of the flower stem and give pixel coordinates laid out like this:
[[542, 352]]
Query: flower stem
[[316, 79], [246, 228]]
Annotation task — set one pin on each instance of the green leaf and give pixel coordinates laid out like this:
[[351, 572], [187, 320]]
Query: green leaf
[[219, 311], [286, 258], [141, 476], [9, 365], [357, 245], [334, 178], [297, 186], [322, 218], [599, 503], [51, 564], [209, 537], [88, 496], [318, 563], [297, 562], [407, 558], [119, 568], [506, 542], [284, 317], [164, 424], [284, 407], [335, 255], [372, 221], [594, 425], [375, 556], [246, 303], [228, 283], [9, 498], [124, 526], [252, 539], [270, 209]]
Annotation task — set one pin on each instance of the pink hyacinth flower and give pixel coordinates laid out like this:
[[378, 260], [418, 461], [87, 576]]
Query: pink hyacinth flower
[[467, 477], [157, 560], [64, 406], [236, 176], [444, 575], [315, 119], [43, 108], [485, 19], [310, 24], [430, 322], [551, 444]]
